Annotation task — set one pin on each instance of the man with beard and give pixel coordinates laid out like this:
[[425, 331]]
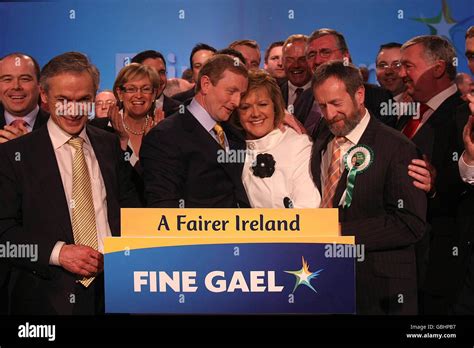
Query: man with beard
[[325, 45], [383, 210]]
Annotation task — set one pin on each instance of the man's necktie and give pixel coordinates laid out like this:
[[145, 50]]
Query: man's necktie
[[16, 123], [413, 123], [220, 135], [298, 93], [84, 227], [334, 173]]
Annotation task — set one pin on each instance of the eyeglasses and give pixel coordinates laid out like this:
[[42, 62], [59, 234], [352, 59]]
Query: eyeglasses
[[104, 102], [133, 89], [323, 52], [470, 55], [394, 66]]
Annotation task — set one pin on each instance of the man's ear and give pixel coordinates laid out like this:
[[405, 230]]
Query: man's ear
[[439, 69], [205, 84], [44, 95], [360, 95]]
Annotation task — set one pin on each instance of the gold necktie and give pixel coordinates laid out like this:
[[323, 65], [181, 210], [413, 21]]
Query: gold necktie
[[220, 135], [84, 227], [334, 173]]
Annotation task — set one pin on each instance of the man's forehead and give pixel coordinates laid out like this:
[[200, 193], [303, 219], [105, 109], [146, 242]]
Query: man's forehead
[[16, 62], [326, 41], [393, 52]]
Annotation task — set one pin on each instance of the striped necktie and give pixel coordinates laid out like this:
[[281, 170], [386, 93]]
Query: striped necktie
[[334, 173], [220, 134], [83, 213]]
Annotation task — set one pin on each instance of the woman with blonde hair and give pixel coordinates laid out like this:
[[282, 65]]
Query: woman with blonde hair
[[277, 170]]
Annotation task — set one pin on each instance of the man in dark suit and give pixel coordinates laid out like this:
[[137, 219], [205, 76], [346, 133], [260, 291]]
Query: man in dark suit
[[19, 94], [199, 55], [180, 156], [63, 195], [297, 72], [428, 72], [463, 299], [156, 60], [325, 45], [384, 211], [19, 114]]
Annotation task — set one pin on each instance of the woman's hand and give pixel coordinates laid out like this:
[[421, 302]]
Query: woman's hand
[[291, 121], [158, 116], [117, 124]]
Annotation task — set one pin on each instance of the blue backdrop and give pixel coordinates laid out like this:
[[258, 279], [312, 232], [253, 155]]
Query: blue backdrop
[[109, 31]]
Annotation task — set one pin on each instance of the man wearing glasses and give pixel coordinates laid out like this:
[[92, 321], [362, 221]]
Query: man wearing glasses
[[327, 44], [387, 67], [103, 101]]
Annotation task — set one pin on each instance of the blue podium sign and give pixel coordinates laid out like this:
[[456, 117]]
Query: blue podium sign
[[144, 276]]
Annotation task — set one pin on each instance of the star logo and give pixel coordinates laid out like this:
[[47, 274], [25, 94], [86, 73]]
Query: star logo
[[304, 276], [441, 24]]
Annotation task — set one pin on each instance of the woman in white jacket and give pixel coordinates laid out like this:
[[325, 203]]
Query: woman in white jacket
[[277, 170]]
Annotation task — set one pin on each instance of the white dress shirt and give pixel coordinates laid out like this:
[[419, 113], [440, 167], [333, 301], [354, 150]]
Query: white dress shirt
[[29, 118], [64, 157], [292, 177], [292, 91], [466, 171], [205, 120], [435, 102], [352, 139], [159, 102]]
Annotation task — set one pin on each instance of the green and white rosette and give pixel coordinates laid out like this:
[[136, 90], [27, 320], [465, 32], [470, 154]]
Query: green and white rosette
[[356, 160]]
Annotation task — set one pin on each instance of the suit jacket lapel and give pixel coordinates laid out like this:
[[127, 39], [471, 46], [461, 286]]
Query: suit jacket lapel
[[284, 91], [320, 144], [367, 139], [210, 147], [41, 119], [49, 180]]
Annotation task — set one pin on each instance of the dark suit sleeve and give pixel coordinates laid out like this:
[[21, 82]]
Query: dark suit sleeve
[[11, 220], [128, 195], [163, 169], [405, 209]]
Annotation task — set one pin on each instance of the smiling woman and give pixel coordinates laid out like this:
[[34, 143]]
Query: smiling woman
[[276, 172]]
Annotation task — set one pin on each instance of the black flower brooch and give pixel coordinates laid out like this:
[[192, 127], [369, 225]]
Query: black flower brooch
[[264, 165]]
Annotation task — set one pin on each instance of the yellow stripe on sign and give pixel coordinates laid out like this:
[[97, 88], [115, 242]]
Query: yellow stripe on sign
[[188, 222], [114, 244]]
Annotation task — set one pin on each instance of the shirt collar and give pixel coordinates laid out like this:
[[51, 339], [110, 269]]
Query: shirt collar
[[159, 101], [60, 137], [398, 97], [29, 118], [439, 98], [355, 134], [201, 115], [292, 88]]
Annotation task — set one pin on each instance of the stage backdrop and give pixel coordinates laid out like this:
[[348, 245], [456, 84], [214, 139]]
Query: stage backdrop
[[110, 31]]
